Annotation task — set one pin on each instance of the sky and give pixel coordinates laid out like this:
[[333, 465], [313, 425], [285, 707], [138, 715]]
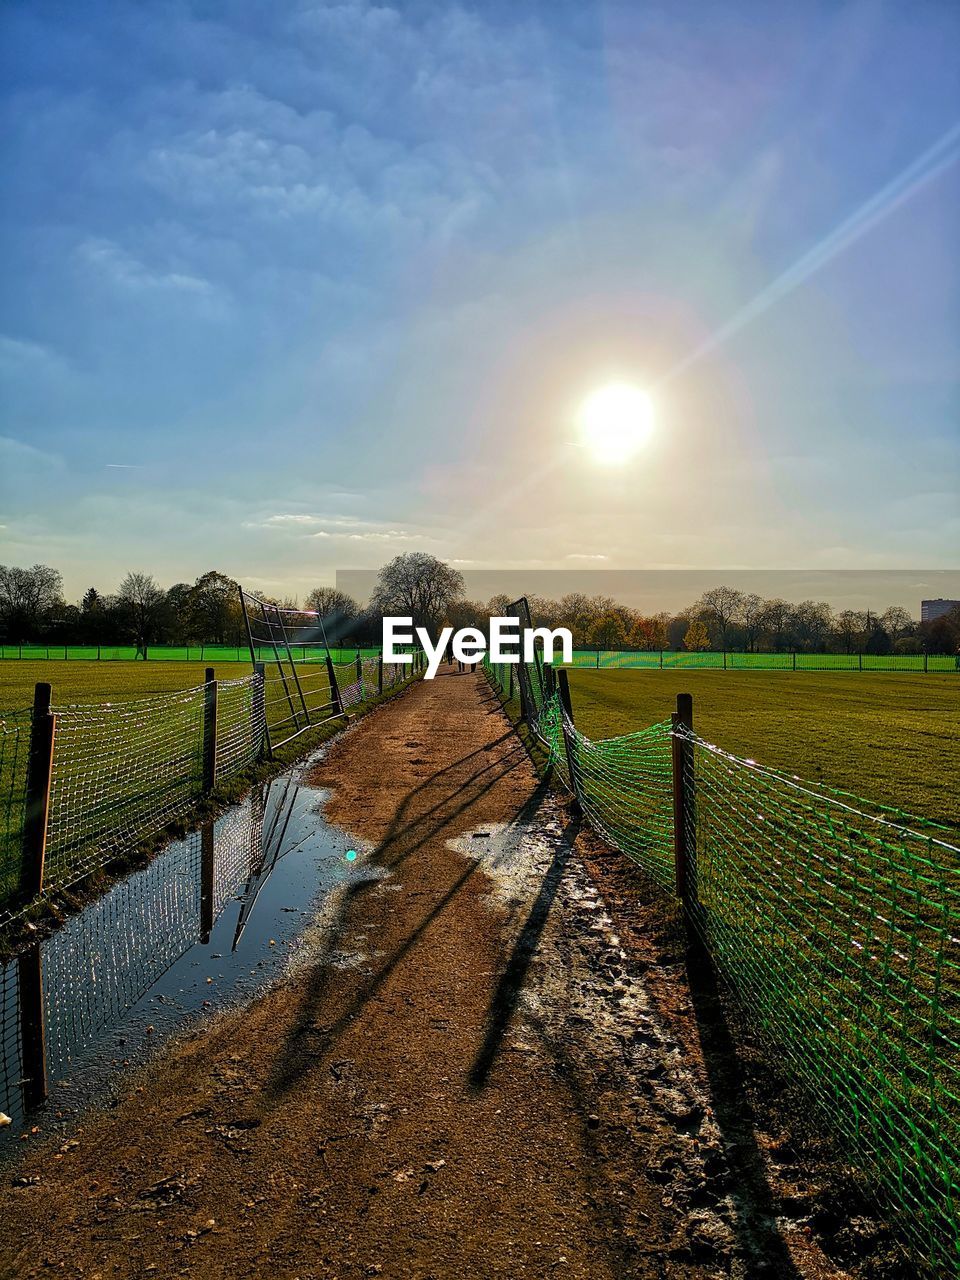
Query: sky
[[295, 287]]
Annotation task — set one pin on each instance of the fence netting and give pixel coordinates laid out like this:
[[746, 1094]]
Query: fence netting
[[15, 729], [121, 773], [836, 925]]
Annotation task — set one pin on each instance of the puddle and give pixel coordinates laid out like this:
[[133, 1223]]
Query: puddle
[[209, 922]]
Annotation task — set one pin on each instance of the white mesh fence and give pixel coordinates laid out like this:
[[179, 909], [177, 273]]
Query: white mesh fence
[[122, 772]]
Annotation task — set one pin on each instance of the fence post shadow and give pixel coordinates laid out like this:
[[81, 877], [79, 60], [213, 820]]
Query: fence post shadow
[[504, 1000], [758, 1234]]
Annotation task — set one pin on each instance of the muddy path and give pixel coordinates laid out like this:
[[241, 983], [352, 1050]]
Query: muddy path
[[466, 1075]]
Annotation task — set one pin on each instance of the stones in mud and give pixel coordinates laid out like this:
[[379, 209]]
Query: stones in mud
[[708, 1234]]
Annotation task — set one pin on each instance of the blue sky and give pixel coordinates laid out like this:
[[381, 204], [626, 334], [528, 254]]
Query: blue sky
[[292, 287]]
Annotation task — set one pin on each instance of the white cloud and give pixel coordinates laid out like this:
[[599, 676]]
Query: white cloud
[[126, 271], [18, 355], [16, 456]]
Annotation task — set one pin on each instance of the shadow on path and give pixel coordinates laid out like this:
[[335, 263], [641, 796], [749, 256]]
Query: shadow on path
[[756, 1226], [426, 813], [514, 975]]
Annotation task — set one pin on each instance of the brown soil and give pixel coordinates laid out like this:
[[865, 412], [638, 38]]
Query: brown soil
[[469, 1076]]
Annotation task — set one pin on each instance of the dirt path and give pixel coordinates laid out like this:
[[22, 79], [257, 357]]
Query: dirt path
[[466, 1078]]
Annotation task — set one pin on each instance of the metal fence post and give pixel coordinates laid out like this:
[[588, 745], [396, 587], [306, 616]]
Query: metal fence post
[[684, 830], [37, 801], [258, 706], [335, 698], [566, 721], [380, 675], [360, 674], [209, 730], [550, 680]]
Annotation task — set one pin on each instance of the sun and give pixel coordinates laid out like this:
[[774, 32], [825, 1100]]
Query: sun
[[615, 422]]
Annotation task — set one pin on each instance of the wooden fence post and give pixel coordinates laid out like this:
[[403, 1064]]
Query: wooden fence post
[[209, 731], [566, 721], [684, 846], [37, 801], [335, 699]]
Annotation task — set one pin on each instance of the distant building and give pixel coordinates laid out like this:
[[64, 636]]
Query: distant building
[[930, 610]]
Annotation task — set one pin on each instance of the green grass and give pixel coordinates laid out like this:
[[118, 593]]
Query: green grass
[[156, 768], [80, 681], [211, 653], [75, 682], [892, 739]]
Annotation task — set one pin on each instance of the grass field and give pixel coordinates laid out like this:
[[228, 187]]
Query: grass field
[[126, 767], [893, 739], [75, 682], [80, 681]]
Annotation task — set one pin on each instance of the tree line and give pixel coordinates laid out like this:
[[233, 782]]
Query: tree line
[[207, 611]]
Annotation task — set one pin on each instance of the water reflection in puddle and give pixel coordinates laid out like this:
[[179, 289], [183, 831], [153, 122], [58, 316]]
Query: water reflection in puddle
[[209, 920]]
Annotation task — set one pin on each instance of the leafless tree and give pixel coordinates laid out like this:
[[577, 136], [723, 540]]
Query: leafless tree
[[141, 603], [27, 598], [420, 586], [721, 606]]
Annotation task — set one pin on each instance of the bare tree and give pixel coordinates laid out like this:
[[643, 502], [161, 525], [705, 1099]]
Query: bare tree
[[851, 629], [722, 606], [141, 604], [775, 621], [338, 611], [27, 599], [897, 623], [420, 586], [812, 622], [752, 613]]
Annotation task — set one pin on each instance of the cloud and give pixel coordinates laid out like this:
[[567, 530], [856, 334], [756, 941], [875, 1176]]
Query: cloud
[[18, 355], [126, 271], [344, 528], [18, 457]]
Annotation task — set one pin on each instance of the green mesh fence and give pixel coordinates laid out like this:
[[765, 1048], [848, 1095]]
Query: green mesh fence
[[837, 925], [667, 659], [838, 930]]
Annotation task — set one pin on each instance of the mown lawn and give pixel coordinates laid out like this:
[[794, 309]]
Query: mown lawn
[[891, 738], [76, 682]]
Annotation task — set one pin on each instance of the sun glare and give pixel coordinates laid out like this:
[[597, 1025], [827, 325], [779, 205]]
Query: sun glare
[[615, 423]]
